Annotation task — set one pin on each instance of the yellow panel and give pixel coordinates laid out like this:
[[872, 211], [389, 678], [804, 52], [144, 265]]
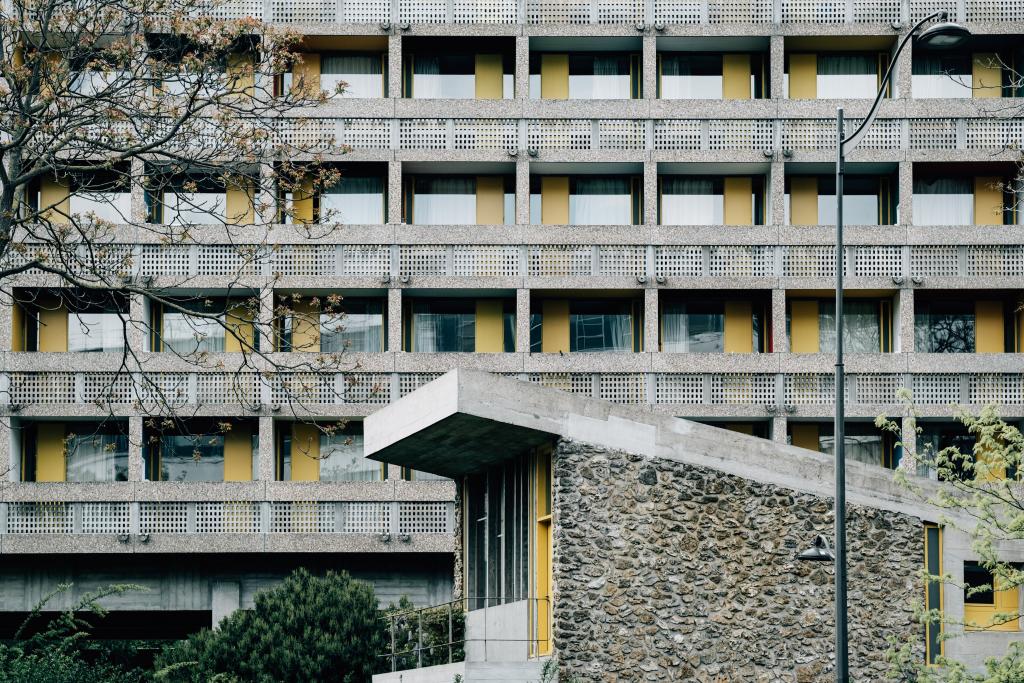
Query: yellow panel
[[979, 617], [739, 207], [988, 326], [306, 75], [240, 202], [17, 327], [555, 326], [349, 43], [490, 337], [554, 200], [238, 454], [543, 551], [803, 77], [490, 200], [489, 77], [1019, 332], [51, 464], [241, 69], [739, 327], [804, 327], [736, 77], [239, 321], [803, 200], [986, 75], [57, 195], [305, 452], [804, 435], [302, 202], [988, 200], [305, 326], [53, 326], [554, 77]]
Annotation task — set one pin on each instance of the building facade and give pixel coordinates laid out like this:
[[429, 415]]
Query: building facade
[[626, 200]]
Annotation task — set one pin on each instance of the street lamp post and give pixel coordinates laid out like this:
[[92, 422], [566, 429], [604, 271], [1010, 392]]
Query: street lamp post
[[943, 35]]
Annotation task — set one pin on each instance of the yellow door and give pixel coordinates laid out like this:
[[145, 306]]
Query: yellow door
[[988, 201], [53, 324], [803, 200], [803, 77], [490, 328], [736, 77], [489, 77], [305, 452], [804, 327], [554, 200], [554, 77], [238, 453], [739, 327], [241, 335], [490, 200], [51, 461], [739, 204], [804, 435], [306, 75], [986, 75], [988, 326], [555, 326]]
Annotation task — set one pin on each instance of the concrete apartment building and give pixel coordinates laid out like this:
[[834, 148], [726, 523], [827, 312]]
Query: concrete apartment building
[[623, 199]]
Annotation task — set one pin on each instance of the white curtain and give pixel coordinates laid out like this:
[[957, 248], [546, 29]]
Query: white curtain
[[691, 201], [95, 332], [443, 332], [353, 200], [341, 459], [600, 201], [362, 74], [861, 326], [186, 334], [444, 200], [186, 208], [113, 207], [674, 328], [691, 77], [847, 76], [598, 78], [192, 458], [942, 76], [357, 332], [97, 457], [943, 201]]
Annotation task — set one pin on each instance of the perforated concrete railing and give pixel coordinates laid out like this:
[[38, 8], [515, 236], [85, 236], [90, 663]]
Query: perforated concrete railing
[[573, 260], [227, 517], [611, 11]]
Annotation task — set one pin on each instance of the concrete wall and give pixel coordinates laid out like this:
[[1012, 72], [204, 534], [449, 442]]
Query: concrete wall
[[672, 571]]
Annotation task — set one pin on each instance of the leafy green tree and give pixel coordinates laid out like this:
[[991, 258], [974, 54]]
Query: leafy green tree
[[308, 628], [981, 494], [52, 652]]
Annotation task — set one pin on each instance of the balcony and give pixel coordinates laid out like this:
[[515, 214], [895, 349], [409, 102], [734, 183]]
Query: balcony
[[612, 12]]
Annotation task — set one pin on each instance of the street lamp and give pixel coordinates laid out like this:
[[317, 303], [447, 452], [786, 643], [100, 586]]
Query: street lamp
[[941, 36]]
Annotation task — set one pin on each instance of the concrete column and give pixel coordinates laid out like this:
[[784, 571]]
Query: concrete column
[[265, 454], [395, 66], [394, 192], [905, 321], [522, 73], [10, 443], [650, 67], [138, 198], [780, 339], [908, 437], [777, 67], [266, 199], [778, 430], [265, 324], [651, 320], [6, 325], [394, 320], [225, 598], [136, 450], [906, 193], [394, 472], [139, 324], [522, 190], [902, 77], [650, 192], [522, 321], [776, 189]]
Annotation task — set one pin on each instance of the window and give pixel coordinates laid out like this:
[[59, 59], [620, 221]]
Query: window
[[188, 200], [353, 200], [191, 457], [459, 200], [864, 442], [96, 331], [933, 591], [941, 75], [943, 201], [700, 326], [362, 74], [944, 327], [442, 326], [341, 456], [602, 326], [985, 606], [358, 327], [105, 195], [452, 76], [847, 76], [697, 76], [863, 325], [703, 200], [96, 453], [186, 334], [601, 77], [95, 321]]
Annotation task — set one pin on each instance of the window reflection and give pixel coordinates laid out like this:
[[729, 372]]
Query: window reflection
[[192, 457], [944, 327], [96, 453], [443, 326], [601, 326], [359, 327]]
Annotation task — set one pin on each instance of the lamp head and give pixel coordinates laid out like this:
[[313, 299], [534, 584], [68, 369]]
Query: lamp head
[[945, 35], [819, 552]]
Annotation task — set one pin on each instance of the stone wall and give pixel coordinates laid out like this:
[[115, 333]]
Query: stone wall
[[670, 572]]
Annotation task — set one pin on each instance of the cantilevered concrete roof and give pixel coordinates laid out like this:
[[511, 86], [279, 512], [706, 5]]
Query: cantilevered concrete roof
[[467, 420]]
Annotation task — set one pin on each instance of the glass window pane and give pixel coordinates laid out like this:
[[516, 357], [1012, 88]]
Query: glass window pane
[[185, 334], [97, 457], [353, 200], [945, 328], [341, 459], [691, 77], [943, 201], [355, 331], [847, 76], [95, 332], [600, 201], [362, 75], [693, 328], [444, 76], [443, 327], [194, 207], [942, 75], [692, 201], [599, 77], [113, 207], [444, 200], [192, 458], [600, 327], [861, 326]]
